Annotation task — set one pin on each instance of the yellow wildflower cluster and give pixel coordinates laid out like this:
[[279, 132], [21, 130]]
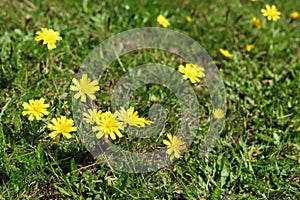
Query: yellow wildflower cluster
[[271, 13], [36, 109], [109, 125], [163, 21], [106, 123]]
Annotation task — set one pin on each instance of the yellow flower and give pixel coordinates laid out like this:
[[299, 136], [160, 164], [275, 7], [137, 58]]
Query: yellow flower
[[226, 53], [61, 126], [249, 47], [163, 21], [35, 109], [218, 113], [92, 116], [271, 12], [108, 126], [256, 22], [188, 19], [192, 72], [131, 117], [294, 15], [84, 87], [49, 37], [254, 1], [174, 145]]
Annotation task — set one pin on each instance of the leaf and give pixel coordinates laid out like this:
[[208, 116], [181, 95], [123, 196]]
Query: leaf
[[84, 6], [265, 137], [293, 157], [224, 175], [277, 138], [216, 194], [63, 191]]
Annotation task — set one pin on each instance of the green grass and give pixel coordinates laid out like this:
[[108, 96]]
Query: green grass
[[262, 89]]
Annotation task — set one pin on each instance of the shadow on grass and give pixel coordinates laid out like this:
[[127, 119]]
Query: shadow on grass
[[4, 82], [4, 177]]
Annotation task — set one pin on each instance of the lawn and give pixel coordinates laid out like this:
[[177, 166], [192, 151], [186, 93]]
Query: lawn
[[256, 154]]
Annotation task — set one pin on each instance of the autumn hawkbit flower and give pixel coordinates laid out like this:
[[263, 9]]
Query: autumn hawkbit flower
[[256, 22], [218, 113], [271, 12], [249, 47], [85, 87], [49, 37], [35, 109], [192, 72], [131, 117], [188, 19], [61, 126], [92, 116], [295, 15], [174, 145]]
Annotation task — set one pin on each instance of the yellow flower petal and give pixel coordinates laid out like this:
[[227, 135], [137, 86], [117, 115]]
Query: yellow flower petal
[[226, 53], [108, 126], [295, 15], [256, 22], [249, 47], [166, 142], [163, 21], [188, 19]]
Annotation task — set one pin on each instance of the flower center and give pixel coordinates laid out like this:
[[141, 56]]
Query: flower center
[[37, 108], [272, 13], [175, 145], [63, 128], [50, 37], [110, 124], [191, 73]]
